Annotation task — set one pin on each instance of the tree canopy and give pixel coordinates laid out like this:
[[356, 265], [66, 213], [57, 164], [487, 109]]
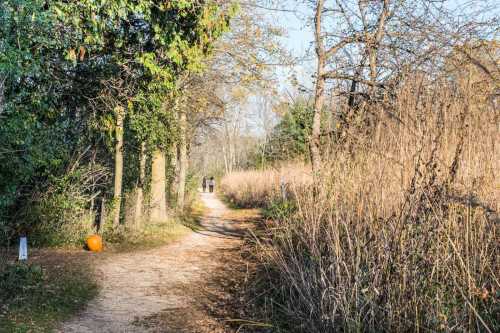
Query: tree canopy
[[68, 68]]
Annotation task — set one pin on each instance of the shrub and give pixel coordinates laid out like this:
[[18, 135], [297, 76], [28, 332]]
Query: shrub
[[61, 214], [279, 209]]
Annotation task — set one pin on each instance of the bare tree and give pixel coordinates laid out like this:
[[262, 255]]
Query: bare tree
[[240, 68], [368, 46]]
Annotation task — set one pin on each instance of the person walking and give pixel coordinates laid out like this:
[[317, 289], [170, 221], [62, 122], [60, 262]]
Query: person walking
[[211, 184], [204, 184]]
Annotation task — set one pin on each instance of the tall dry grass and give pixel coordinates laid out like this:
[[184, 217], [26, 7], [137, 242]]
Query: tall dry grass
[[403, 233], [257, 188]]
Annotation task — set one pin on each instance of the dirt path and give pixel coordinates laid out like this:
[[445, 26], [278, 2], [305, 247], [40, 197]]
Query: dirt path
[[155, 290]]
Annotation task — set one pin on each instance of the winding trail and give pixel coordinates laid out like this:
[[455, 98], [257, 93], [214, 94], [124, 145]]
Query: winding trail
[[155, 290]]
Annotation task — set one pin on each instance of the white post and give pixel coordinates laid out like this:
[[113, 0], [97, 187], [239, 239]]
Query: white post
[[23, 248]]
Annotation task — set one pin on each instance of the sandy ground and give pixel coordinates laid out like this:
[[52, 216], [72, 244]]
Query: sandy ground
[[156, 290]]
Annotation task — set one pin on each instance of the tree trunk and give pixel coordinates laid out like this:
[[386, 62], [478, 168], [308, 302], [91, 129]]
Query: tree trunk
[[117, 198], [174, 181], [232, 154], [374, 43], [224, 155], [139, 192], [158, 188], [2, 88], [102, 214], [314, 142], [182, 160]]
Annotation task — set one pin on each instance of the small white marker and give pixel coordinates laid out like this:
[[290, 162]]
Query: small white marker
[[23, 248]]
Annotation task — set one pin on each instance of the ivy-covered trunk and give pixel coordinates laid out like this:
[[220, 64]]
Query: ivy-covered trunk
[[139, 192], [181, 189], [2, 85], [117, 199]]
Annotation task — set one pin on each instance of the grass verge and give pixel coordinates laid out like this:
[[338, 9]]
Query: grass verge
[[156, 234], [151, 236], [38, 296]]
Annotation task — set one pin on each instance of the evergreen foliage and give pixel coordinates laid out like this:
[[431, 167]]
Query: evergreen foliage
[[289, 139]]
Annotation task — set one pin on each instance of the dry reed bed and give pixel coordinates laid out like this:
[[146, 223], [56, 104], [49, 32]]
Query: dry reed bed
[[402, 234], [256, 188]]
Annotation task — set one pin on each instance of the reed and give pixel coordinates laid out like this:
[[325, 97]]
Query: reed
[[400, 233]]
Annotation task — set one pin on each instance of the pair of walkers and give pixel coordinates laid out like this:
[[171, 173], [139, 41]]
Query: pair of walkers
[[208, 182]]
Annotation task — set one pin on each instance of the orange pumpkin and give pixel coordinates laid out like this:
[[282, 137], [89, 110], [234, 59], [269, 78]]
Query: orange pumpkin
[[94, 243]]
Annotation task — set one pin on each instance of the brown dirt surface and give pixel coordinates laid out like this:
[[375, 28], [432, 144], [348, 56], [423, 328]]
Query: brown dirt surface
[[191, 285]]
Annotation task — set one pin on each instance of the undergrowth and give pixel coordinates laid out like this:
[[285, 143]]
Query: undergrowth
[[36, 298], [152, 235]]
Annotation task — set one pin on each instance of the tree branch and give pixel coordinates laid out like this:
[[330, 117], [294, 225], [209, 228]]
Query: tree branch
[[339, 76]]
